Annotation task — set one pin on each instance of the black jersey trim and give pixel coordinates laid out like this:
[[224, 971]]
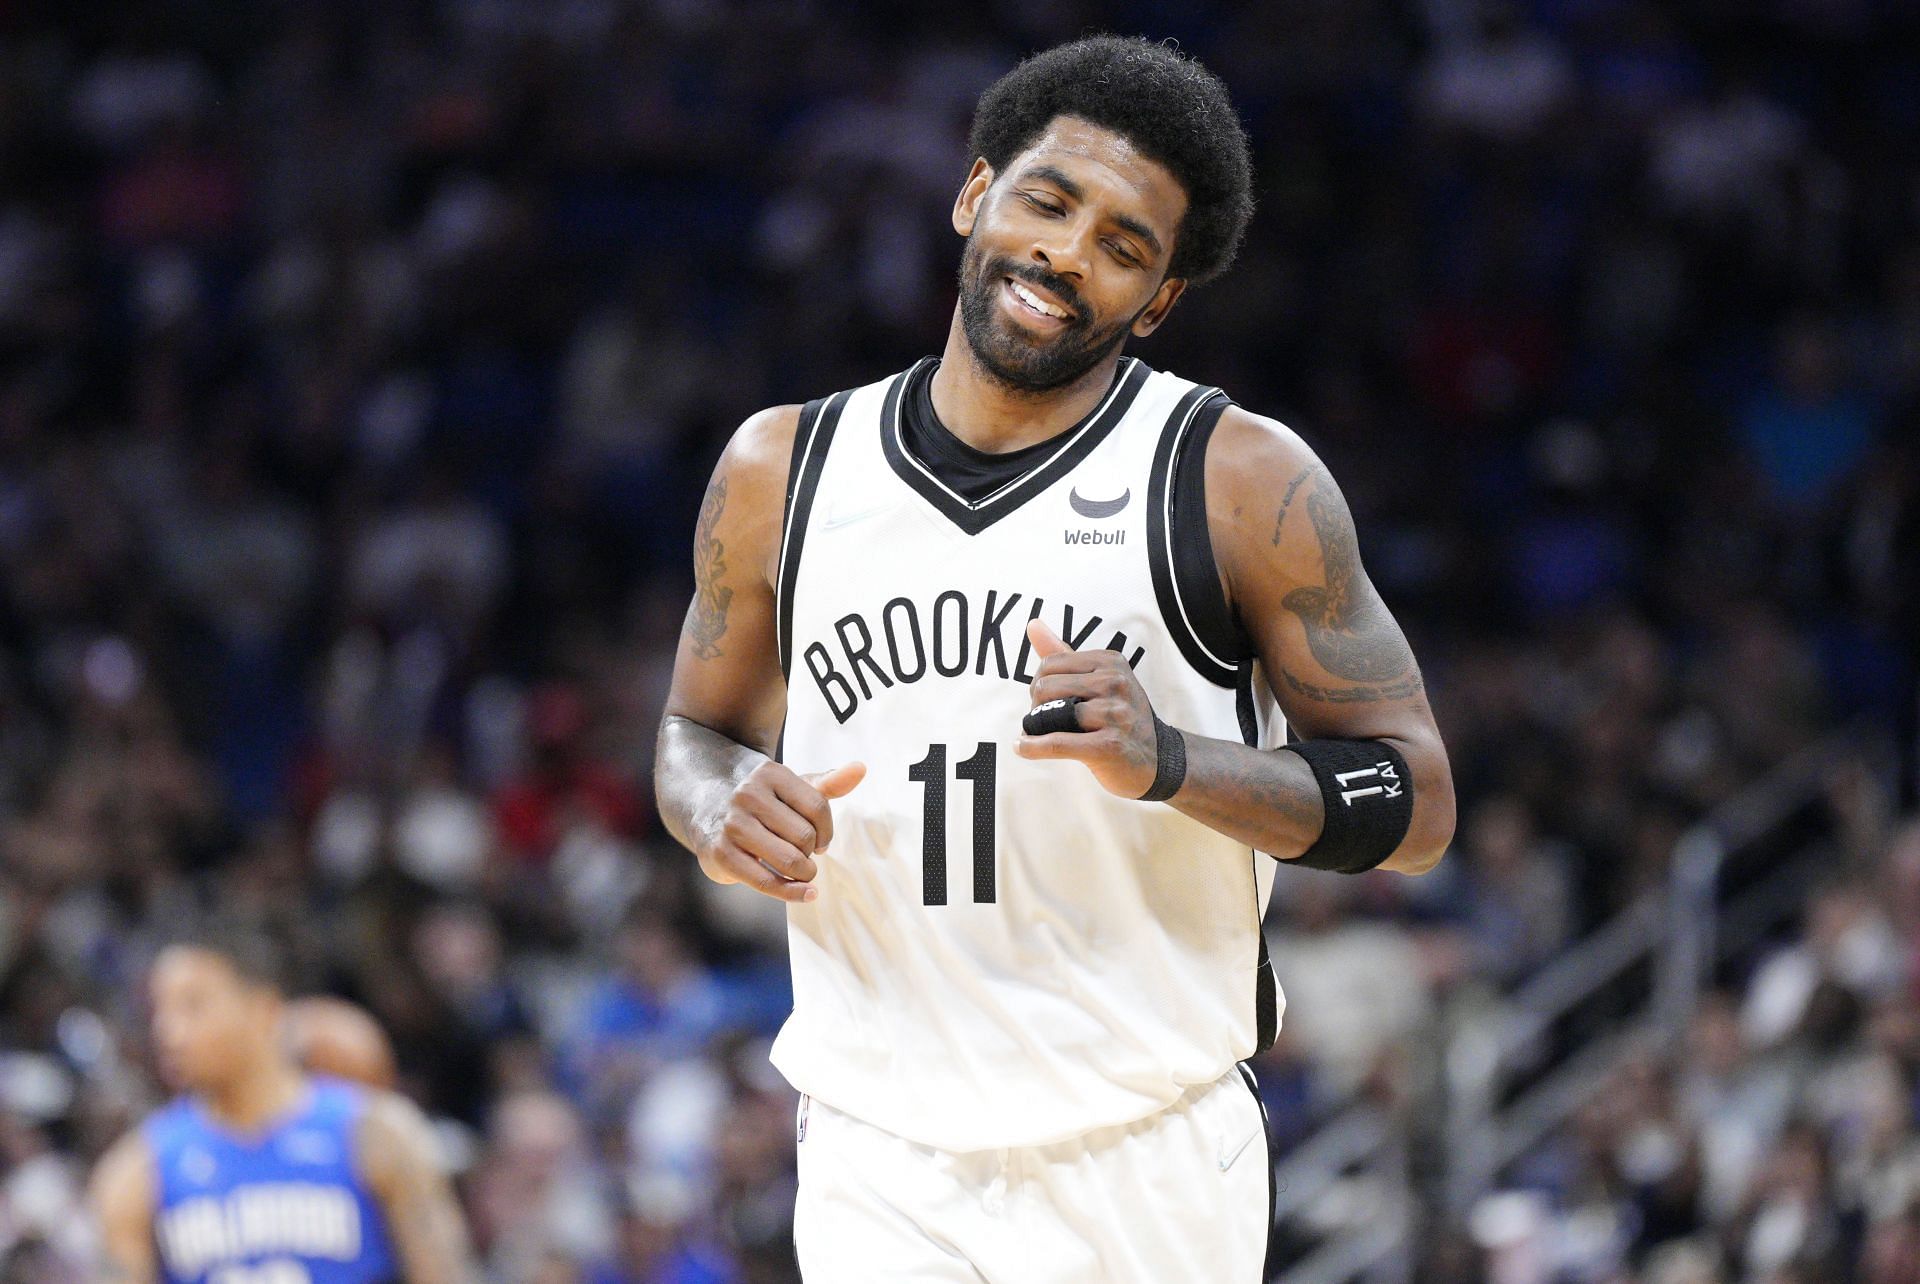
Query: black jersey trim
[[1243, 710], [1266, 986], [1194, 568], [1266, 996], [974, 516], [1273, 1175], [1179, 548], [811, 437]]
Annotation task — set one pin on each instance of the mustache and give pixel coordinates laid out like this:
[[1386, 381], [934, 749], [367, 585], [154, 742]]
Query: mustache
[[1058, 286]]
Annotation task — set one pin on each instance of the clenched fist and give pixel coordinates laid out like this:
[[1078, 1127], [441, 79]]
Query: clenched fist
[[771, 827]]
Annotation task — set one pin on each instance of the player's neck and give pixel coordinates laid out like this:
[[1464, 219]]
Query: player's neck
[[254, 1100], [988, 415]]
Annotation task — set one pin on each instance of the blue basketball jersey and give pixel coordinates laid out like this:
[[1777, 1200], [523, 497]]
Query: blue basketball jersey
[[284, 1206]]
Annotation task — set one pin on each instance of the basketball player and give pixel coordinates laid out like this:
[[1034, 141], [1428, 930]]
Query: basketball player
[[262, 1174], [334, 1037], [989, 675]]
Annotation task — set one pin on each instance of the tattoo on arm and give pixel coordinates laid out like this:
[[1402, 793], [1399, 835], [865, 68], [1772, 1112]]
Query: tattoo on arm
[[707, 621], [1286, 500], [1399, 690], [1349, 630]]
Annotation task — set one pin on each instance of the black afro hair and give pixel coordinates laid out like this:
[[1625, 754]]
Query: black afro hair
[[1166, 104]]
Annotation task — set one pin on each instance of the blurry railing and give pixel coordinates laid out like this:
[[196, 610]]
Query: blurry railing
[[1484, 1133], [1653, 960], [1702, 929], [1348, 1184]]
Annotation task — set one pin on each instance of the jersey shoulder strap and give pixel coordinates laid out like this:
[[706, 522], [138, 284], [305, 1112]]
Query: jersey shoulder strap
[[819, 419], [1186, 578]]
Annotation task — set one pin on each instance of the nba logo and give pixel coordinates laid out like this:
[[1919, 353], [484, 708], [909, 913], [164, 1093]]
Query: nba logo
[[800, 1122]]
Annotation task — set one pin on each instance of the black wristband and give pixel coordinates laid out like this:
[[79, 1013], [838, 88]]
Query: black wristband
[[1171, 748], [1367, 794]]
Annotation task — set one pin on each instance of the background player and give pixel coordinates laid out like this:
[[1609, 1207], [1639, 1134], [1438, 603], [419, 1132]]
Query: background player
[[261, 1174], [335, 1037], [884, 569]]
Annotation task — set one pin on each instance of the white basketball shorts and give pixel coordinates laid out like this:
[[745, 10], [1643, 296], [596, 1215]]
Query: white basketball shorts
[[1179, 1197]]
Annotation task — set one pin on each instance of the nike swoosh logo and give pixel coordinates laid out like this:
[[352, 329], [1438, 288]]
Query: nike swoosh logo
[[1098, 507], [1226, 1161], [848, 519]]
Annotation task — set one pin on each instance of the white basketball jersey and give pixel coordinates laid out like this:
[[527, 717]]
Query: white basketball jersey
[[1002, 953]]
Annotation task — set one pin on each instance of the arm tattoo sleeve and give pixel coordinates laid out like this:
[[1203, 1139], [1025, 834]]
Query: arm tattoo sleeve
[[1399, 689], [707, 621], [1349, 630]]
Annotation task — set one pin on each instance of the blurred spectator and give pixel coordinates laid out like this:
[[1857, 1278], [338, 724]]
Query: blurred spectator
[[1726, 156], [656, 1005], [1519, 911], [1740, 1102], [537, 1193], [1354, 989], [652, 1246], [1850, 956], [436, 556], [1806, 428], [1505, 81], [564, 786]]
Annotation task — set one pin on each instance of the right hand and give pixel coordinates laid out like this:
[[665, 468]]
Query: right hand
[[773, 825]]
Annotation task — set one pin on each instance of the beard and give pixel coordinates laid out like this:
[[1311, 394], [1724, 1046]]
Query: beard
[[1014, 359]]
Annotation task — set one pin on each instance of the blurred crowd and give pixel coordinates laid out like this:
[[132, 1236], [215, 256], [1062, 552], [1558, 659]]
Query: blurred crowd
[[361, 364], [1777, 1143]]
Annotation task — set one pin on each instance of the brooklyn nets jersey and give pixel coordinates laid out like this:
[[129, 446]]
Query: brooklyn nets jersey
[[1002, 953]]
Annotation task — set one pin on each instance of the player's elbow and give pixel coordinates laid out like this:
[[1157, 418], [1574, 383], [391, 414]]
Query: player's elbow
[[1425, 846], [1430, 832]]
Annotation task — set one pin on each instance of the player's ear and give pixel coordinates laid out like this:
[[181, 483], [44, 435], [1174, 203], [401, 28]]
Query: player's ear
[[966, 206], [1162, 303]]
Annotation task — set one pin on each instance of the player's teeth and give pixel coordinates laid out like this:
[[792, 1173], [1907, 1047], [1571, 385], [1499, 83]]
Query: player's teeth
[[1033, 301]]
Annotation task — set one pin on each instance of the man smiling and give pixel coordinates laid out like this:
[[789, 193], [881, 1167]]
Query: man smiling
[[989, 675]]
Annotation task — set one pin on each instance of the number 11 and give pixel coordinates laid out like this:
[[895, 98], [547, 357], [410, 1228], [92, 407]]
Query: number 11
[[931, 771]]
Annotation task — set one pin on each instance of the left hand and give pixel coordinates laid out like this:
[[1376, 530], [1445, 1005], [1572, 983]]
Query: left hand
[[1116, 740]]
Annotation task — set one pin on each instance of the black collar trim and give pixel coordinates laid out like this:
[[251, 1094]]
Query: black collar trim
[[1076, 443]]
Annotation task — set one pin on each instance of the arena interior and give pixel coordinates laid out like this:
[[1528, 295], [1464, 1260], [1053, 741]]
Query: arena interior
[[362, 363]]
